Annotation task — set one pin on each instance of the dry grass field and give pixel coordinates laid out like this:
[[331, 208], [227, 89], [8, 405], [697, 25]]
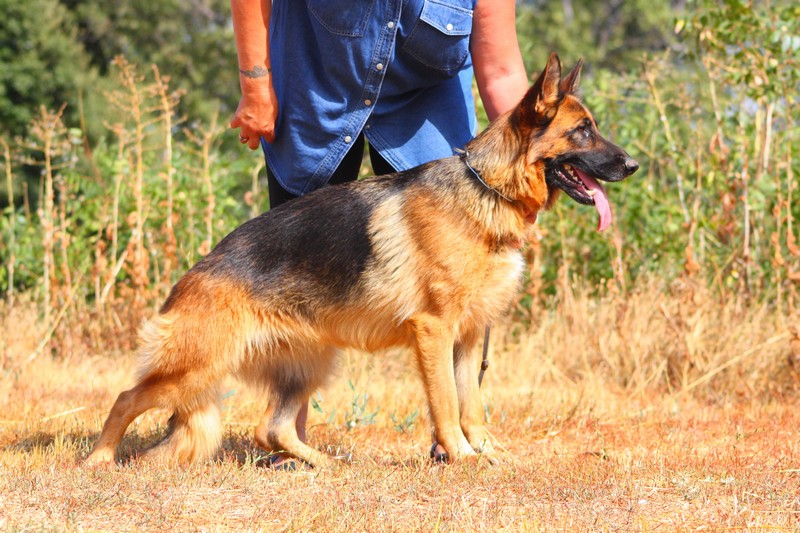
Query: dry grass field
[[660, 410]]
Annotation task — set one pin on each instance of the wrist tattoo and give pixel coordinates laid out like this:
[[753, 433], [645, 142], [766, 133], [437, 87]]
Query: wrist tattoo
[[256, 72]]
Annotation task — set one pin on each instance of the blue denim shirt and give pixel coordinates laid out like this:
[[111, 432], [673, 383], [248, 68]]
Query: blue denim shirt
[[398, 70]]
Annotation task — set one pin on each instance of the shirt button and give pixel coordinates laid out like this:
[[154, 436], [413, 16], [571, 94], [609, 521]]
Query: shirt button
[[367, 102], [390, 25], [449, 27], [348, 139], [379, 66]]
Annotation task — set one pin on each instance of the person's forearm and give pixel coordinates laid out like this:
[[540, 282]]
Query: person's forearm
[[501, 94], [251, 29], [499, 70], [258, 107]]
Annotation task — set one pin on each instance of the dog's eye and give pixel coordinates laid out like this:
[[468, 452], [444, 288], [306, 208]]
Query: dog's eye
[[584, 131]]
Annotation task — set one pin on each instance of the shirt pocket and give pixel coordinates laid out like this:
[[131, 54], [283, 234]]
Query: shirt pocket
[[440, 38], [342, 18]]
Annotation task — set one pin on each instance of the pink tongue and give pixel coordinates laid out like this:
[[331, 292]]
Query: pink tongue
[[600, 199]]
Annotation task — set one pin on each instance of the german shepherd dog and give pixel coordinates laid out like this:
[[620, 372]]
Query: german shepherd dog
[[421, 259]]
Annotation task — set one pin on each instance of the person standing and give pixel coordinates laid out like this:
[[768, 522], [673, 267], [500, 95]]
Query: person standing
[[318, 78]]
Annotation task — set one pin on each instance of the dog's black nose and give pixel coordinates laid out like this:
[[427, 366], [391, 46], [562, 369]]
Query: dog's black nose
[[631, 165]]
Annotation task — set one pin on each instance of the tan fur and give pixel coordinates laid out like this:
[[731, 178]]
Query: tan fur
[[444, 262]]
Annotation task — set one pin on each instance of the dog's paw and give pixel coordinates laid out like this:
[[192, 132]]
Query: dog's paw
[[283, 463], [489, 458], [439, 455], [99, 457], [481, 459], [479, 439]]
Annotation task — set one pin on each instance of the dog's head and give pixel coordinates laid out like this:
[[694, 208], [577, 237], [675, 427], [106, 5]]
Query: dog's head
[[563, 142]]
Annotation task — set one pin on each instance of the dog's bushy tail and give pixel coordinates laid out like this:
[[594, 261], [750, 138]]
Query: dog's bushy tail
[[193, 435]]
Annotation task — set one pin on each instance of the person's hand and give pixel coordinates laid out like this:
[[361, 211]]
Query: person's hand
[[257, 111]]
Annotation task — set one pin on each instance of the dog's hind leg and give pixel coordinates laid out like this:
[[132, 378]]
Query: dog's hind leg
[[434, 349], [278, 432], [466, 363], [194, 434], [183, 364], [130, 404], [291, 381], [262, 431], [195, 428]]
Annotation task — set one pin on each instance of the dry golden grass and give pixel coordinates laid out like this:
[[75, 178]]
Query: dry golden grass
[[662, 409]]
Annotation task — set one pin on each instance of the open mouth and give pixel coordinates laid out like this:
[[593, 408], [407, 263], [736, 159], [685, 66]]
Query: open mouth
[[581, 187]]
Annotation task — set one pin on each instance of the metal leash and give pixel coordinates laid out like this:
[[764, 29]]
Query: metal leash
[[485, 362]]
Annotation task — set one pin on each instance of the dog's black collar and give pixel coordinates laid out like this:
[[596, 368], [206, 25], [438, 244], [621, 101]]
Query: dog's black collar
[[465, 158]]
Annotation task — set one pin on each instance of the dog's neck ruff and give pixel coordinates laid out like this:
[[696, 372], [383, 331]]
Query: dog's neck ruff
[[465, 159]]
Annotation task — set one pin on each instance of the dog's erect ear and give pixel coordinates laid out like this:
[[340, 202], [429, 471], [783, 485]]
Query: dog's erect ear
[[570, 84], [541, 100]]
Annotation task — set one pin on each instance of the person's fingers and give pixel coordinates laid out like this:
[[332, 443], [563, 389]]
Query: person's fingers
[[269, 136], [250, 135]]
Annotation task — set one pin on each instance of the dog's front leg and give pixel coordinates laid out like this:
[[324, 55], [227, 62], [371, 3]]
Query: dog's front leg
[[434, 349], [466, 363]]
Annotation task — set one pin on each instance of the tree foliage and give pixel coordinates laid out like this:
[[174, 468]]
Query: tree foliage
[[41, 61], [190, 40], [56, 52], [609, 34]]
